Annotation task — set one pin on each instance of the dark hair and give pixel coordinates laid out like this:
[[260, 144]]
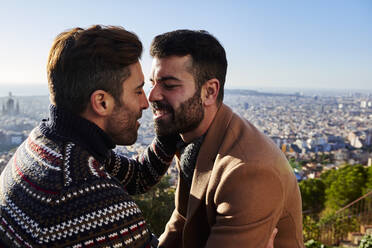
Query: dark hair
[[82, 61], [208, 55]]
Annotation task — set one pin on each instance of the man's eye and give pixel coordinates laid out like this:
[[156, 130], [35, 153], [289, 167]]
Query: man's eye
[[169, 86], [139, 92]]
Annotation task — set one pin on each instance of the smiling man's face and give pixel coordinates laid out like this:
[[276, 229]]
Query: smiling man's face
[[174, 97]]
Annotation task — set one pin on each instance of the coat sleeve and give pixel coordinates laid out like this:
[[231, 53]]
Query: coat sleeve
[[249, 201], [138, 175]]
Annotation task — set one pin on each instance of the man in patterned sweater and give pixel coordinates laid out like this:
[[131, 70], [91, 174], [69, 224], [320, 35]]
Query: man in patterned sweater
[[65, 186]]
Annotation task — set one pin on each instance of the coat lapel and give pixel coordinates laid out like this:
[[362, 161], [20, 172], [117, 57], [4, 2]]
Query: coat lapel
[[207, 155]]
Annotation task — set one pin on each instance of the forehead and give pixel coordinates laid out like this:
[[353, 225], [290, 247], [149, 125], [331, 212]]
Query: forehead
[[171, 65], [136, 77]]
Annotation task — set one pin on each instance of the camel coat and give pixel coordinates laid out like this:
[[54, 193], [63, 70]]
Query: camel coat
[[242, 188]]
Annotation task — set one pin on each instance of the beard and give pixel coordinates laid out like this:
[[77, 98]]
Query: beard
[[184, 119], [122, 126]]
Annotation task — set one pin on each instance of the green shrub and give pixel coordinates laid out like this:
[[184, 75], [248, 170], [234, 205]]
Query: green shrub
[[311, 228], [340, 225], [314, 244], [366, 242], [157, 205]]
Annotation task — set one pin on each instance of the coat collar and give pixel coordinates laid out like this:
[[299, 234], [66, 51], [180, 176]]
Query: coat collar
[[207, 155]]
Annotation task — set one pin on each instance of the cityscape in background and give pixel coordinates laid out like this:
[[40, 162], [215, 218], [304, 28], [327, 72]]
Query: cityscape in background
[[316, 131]]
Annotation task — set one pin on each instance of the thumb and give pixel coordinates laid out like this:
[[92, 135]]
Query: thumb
[[272, 237]]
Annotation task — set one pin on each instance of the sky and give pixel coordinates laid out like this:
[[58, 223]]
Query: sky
[[269, 44]]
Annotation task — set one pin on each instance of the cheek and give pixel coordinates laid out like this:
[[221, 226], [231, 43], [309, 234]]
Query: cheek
[[135, 106], [174, 101], [132, 104], [132, 108]]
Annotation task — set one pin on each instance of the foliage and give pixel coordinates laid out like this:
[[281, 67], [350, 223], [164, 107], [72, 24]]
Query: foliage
[[325, 158], [313, 195], [340, 224], [157, 205], [311, 228], [368, 186], [294, 164], [328, 177], [346, 186], [314, 244], [341, 187], [366, 242]]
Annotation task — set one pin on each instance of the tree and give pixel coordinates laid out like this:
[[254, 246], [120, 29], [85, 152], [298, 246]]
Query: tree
[[325, 158], [157, 205], [313, 195], [294, 164], [328, 177], [346, 186], [368, 186]]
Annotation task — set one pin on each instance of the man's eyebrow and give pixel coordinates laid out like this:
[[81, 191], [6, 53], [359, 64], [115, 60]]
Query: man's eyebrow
[[140, 86], [165, 78]]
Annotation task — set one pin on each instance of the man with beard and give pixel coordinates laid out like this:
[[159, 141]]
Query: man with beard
[[235, 186], [65, 186]]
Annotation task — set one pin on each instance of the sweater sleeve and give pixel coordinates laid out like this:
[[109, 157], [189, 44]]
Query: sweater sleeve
[[138, 175]]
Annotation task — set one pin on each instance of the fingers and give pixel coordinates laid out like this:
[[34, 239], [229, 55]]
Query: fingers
[[272, 237]]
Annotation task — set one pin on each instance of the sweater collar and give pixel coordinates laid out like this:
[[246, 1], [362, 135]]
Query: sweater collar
[[188, 155], [68, 127]]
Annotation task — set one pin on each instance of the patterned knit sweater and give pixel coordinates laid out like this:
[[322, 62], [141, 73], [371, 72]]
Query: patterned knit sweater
[[65, 187]]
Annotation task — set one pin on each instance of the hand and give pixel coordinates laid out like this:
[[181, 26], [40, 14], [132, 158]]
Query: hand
[[272, 237]]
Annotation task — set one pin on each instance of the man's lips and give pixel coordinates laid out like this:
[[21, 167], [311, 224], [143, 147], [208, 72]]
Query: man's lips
[[160, 113], [160, 110]]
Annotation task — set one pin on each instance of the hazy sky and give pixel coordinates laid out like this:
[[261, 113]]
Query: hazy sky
[[301, 44]]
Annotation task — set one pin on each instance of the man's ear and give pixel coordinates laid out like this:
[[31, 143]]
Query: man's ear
[[210, 91], [102, 103]]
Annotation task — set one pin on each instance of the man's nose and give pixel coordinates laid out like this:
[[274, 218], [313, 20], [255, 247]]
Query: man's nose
[[155, 94], [144, 103]]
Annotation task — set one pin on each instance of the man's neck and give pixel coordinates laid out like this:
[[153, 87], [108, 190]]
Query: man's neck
[[89, 115]]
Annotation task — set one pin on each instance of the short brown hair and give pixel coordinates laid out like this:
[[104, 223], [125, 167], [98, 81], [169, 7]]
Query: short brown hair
[[82, 61], [208, 55]]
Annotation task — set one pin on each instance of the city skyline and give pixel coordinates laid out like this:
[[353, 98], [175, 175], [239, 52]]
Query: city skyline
[[270, 44]]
